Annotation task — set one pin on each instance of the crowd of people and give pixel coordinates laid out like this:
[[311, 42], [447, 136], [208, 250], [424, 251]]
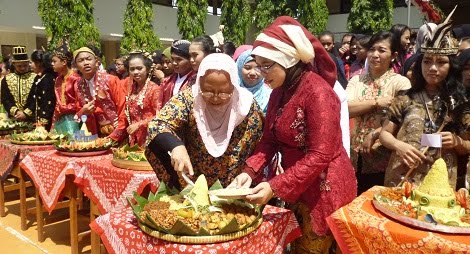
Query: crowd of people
[[297, 117]]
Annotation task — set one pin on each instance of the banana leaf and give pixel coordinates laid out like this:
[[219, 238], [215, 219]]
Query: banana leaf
[[180, 228], [231, 227]]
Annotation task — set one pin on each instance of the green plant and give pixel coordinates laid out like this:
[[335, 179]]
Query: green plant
[[236, 16], [313, 14], [370, 16], [138, 28], [69, 19], [190, 18], [267, 10]]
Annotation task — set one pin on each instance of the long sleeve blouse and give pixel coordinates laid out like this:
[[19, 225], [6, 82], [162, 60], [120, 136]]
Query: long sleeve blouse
[[303, 124]]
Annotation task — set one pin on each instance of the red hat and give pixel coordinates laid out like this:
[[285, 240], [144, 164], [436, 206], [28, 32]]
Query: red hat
[[287, 42]]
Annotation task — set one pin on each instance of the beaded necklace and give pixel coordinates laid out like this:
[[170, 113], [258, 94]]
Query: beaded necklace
[[140, 99]]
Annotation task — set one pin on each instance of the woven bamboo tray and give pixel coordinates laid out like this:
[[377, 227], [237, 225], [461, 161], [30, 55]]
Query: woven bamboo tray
[[132, 165], [201, 239], [36, 142]]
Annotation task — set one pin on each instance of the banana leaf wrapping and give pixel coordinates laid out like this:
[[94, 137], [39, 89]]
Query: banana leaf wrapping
[[131, 153], [181, 226], [65, 145]]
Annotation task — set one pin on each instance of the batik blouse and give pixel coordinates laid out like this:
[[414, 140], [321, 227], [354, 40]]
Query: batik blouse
[[363, 88], [409, 113], [176, 119]]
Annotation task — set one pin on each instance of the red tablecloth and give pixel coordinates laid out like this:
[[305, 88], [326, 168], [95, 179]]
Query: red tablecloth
[[359, 228], [108, 186], [11, 154], [48, 170], [120, 234]]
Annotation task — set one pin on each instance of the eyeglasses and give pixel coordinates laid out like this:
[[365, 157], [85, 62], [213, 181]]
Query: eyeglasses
[[223, 96], [265, 69]]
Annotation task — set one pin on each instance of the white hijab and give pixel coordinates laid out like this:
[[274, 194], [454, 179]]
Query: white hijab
[[216, 123]]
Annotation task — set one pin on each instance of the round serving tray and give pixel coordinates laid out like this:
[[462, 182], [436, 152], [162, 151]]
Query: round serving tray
[[83, 154], [201, 239], [132, 165], [419, 224], [37, 142]]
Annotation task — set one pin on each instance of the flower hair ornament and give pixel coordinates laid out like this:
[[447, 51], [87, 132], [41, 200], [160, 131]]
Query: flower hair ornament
[[439, 41]]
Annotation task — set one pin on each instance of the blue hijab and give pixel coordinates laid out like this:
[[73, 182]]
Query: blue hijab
[[260, 91]]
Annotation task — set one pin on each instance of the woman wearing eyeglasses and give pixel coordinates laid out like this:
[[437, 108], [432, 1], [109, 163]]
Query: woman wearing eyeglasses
[[210, 129], [303, 124]]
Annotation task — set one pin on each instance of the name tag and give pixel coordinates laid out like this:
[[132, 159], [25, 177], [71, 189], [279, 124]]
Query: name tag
[[431, 140]]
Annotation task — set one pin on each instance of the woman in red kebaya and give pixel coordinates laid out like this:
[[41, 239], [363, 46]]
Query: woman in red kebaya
[[142, 100], [303, 124]]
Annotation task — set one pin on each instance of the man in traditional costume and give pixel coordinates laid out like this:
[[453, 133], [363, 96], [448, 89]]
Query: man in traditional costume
[[183, 76], [100, 97], [16, 86]]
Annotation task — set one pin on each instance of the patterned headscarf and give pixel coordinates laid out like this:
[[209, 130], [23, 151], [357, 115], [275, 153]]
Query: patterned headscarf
[[260, 91], [287, 42]]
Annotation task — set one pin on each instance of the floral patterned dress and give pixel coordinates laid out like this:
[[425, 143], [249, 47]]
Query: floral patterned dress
[[141, 107], [176, 117], [410, 114], [363, 88]]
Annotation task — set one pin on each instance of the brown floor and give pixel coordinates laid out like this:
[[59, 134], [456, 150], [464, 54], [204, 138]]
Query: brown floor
[[15, 241]]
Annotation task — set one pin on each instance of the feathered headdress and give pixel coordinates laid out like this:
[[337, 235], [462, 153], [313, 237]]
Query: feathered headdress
[[439, 41]]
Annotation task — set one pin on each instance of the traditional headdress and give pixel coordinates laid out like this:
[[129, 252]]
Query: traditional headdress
[[82, 49], [439, 41], [63, 52], [287, 42], [181, 48], [19, 54]]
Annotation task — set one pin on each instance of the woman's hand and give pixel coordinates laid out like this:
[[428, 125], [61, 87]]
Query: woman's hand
[[449, 140], [131, 129], [243, 180], [369, 141], [262, 193], [384, 102], [411, 156], [180, 160]]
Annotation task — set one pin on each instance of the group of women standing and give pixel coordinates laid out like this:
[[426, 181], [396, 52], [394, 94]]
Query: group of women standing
[[275, 107], [391, 112]]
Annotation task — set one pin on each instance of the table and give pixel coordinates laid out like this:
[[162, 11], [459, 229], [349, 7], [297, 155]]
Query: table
[[48, 170], [120, 234], [12, 154], [53, 176], [9, 166], [359, 228], [108, 188]]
